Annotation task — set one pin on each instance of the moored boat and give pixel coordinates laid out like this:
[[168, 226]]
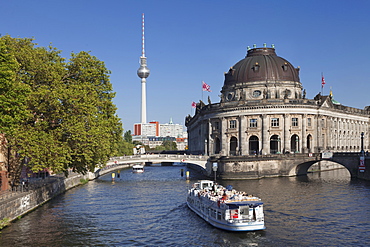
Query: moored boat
[[137, 168], [226, 208]]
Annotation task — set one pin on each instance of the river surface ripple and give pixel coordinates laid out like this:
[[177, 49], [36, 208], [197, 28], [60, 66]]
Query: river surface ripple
[[149, 209]]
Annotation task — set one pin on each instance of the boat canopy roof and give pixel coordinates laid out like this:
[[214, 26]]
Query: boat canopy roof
[[137, 166], [203, 184], [233, 205]]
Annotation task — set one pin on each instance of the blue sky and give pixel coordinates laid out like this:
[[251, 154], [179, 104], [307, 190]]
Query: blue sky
[[188, 42]]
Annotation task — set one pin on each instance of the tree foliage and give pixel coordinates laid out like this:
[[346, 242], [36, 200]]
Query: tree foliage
[[128, 136], [166, 145], [56, 113], [169, 145]]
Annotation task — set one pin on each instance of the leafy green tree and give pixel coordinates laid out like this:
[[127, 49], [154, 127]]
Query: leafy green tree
[[13, 108], [125, 148], [91, 130], [13, 93], [128, 136], [59, 115], [169, 145], [160, 148]]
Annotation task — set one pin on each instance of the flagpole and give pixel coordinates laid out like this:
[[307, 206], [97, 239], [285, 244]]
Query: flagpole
[[322, 83], [202, 90]]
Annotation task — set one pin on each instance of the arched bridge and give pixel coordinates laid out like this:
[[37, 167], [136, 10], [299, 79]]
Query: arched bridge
[[350, 161], [242, 167], [275, 165], [199, 160], [116, 163]]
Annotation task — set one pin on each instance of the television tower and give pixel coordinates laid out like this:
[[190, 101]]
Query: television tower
[[143, 72]]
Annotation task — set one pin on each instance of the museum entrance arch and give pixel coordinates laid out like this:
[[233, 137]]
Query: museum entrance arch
[[233, 145], [309, 143], [253, 145], [274, 144], [294, 144], [217, 145]]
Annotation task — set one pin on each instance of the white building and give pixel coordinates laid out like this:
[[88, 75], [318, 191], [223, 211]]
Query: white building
[[264, 110], [154, 133], [171, 129]]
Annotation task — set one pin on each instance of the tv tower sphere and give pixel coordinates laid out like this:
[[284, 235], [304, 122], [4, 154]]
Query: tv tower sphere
[[143, 71]]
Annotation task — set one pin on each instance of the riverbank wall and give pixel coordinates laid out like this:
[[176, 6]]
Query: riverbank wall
[[21, 203], [24, 202]]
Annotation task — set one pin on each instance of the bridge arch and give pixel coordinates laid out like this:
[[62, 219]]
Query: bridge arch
[[302, 168]]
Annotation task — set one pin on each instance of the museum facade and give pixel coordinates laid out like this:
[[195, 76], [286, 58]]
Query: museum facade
[[264, 110]]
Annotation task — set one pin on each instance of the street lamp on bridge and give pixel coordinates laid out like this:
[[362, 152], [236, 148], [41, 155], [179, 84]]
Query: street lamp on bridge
[[362, 143]]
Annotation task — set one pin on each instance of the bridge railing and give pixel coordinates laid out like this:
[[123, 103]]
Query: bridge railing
[[180, 158], [348, 154]]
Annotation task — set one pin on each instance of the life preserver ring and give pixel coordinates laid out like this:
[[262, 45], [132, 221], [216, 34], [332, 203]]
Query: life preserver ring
[[235, 215]]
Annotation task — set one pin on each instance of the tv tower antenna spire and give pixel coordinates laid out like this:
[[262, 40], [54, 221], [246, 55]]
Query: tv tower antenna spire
[[143, 72]]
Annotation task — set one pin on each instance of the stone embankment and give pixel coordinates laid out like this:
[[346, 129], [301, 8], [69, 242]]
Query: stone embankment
[[18, 204], [15, 204]]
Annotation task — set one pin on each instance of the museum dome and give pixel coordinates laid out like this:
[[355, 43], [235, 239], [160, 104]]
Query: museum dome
[[261, 65]]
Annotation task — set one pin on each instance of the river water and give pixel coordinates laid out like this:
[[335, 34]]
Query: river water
[[149, 209]]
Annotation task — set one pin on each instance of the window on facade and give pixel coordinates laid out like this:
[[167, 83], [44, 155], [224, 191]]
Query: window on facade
[[274, 122], [232, 124], [253, 123], [217, 125], [295, 122], [309, 122]]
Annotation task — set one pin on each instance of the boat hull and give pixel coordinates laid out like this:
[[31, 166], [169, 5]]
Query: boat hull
[[226, 208], [138, 169], [240, 227]]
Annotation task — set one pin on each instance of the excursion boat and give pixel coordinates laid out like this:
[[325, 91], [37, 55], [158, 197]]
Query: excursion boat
[[226, 208], [138, 169]]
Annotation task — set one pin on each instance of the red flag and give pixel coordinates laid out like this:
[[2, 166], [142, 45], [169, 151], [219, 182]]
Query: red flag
[[194, 105], [206, 87], [322, 81]]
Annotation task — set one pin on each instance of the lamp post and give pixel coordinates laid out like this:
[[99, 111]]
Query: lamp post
[[214, 167], [362, 143], [296, 145]]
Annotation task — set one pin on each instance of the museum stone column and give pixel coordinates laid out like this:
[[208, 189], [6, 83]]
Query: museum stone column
[[286, 133], [304, 137], [224, 146], [264, 134], [243, 144]]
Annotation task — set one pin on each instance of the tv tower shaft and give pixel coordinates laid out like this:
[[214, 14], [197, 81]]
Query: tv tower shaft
[[143, 72]]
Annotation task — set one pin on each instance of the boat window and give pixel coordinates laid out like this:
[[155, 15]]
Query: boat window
[[244, 210], [219, 215]]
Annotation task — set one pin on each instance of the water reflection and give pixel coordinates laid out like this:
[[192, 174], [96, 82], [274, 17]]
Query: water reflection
[[327, 209]]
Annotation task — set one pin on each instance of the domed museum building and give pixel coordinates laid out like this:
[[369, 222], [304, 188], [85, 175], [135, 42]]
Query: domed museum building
[[264, 110]]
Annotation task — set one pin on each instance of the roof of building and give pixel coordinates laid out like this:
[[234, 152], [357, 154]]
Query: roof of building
[[261, 64]]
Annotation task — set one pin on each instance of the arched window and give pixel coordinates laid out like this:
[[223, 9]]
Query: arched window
[[217, 145], [294, 144], [253, 145], [274, 144], [309, 143], [233, 145]]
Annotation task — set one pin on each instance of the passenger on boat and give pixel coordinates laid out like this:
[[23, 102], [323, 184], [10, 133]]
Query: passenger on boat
[[224, 197], [215, 187]]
